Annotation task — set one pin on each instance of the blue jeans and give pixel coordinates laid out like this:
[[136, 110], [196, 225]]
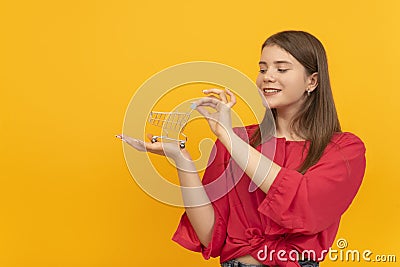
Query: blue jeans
[[235, 263]]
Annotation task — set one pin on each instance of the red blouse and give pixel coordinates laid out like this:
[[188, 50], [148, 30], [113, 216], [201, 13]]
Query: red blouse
[[299, 212]]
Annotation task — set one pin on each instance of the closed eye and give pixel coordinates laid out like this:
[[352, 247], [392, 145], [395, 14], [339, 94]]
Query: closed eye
[[283, 70]]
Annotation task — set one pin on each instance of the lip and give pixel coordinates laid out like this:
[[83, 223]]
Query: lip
[[269, 88], [270, 94]]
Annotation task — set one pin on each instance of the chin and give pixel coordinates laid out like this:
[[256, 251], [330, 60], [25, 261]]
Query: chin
[[268, 104]]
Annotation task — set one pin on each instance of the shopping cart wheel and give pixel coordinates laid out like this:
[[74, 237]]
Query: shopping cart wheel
[[154, 139], [182, 144]]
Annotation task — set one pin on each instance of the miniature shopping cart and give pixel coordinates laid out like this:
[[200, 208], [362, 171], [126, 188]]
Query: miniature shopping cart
[[171, 122]]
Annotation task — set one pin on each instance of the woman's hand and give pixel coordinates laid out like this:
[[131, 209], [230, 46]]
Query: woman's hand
[[220, 121], [169, 149]]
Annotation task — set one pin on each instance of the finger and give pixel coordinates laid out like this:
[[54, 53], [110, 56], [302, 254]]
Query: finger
[[149, 136], [119, 136], [219, 92], [212, 90], [135, 143], [232, 101], [214, 97], [138, 144], [123, 138], [211, 105], [203, 111], [201, 108], [207, 100]]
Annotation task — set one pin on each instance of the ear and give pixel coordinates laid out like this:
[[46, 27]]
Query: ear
[[312, 81]]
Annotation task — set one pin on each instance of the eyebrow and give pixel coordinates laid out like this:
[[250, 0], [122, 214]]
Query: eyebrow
[[275, 62]]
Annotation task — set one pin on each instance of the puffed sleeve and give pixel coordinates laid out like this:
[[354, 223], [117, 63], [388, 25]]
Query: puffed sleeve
[[314, 201], [214, 181]]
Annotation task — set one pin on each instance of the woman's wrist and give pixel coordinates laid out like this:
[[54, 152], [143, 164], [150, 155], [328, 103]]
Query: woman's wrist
[[226, 138], [183, 161]]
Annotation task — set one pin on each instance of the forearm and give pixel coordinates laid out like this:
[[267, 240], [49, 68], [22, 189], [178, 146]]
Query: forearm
[[258, 167], [197, 204]]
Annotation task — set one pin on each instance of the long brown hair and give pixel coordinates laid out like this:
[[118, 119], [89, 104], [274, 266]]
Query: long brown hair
[[317, 119]]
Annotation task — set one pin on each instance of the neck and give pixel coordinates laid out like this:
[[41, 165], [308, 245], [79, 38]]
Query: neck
[[283, 119]]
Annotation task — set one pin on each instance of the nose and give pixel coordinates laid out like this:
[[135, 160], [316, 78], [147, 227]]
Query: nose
[[268, 76]]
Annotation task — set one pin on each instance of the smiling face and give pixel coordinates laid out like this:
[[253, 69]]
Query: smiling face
[[282, 80]]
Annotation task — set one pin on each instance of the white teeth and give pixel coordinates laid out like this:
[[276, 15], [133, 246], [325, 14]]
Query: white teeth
[[271, 91]]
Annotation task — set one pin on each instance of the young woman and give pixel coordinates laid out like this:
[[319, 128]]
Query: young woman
[[292, 218]]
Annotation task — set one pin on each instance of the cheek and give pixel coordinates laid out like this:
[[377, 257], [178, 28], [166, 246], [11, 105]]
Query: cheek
[[259, 81], [297, 85]]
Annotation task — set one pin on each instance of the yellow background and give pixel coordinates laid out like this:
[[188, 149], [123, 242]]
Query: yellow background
[[68, 70]]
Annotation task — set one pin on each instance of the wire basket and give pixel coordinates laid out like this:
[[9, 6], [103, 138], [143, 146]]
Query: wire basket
[[171, 121]]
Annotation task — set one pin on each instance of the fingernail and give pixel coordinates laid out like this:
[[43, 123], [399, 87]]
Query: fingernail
[[205, 91], [121, 138], [193, 106]]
